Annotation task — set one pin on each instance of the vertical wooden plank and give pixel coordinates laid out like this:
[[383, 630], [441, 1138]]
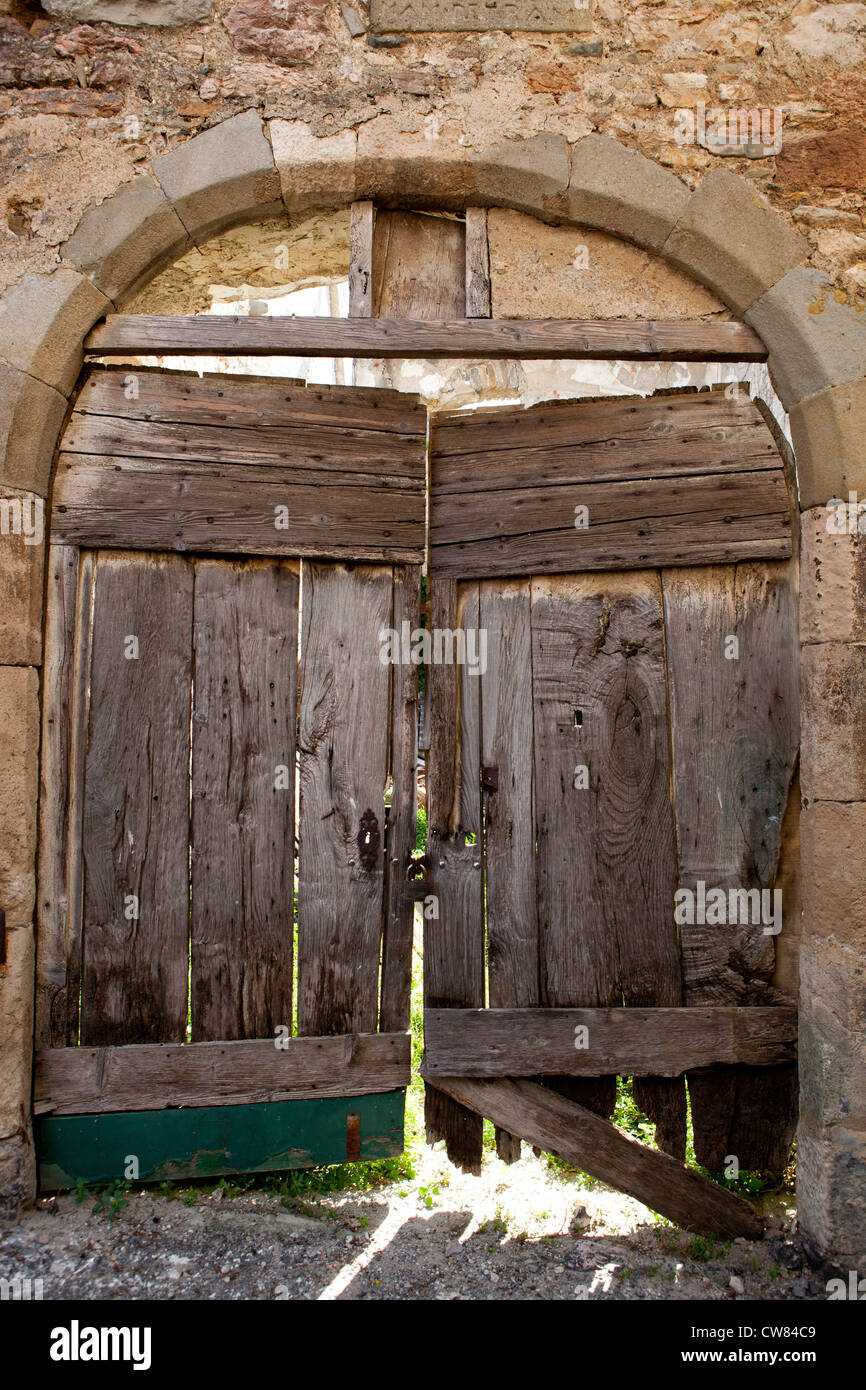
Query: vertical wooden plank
[[605, 826], [509, 814], [735, 735], [64, 719], [245, 637], [419, 266], [343, 741], [394, 1009], [361, 220], [136, 802], [454, 940], [477, 265]]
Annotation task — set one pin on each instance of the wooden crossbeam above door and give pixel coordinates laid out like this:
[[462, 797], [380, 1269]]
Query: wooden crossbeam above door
[[577, 339]]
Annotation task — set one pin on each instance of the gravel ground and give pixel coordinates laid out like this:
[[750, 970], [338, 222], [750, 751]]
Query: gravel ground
[[519, 1232]]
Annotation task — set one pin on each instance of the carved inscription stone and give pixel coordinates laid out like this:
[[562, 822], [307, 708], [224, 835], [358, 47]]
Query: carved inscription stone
[[436, 16]]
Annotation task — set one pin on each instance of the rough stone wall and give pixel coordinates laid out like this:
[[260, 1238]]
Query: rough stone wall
[[85, 104]]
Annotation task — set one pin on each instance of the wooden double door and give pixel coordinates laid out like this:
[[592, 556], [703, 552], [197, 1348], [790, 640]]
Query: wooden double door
[[229, 770]]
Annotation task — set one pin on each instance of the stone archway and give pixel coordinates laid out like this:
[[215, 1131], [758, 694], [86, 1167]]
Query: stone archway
[[725, 237]]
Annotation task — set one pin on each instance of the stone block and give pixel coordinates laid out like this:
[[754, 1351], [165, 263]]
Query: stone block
[[315, 172], [17, 1176], [43, 322], [828, 430], [730, 239], [831, 1192], [621, 192], [19, 778], [832, 581], [166, 13], [22, 558], [16, 1037], [393, 165], [832, 853], [122, 243], [31, 415], [529, 175], [538, 271], [833, 719], [222, 177], [814, 337]]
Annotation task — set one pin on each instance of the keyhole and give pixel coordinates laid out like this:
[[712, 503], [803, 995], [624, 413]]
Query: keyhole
[[578, 718]]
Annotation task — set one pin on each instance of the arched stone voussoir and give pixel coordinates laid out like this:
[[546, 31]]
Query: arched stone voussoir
[[123, 242], [452, 173], [730, 239], [619, 191], [814, 337], [43, 322], [222, 177], [828, 430], [31, 415]]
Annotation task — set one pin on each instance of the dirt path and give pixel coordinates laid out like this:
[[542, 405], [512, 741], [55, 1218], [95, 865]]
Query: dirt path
[[523, 1232]]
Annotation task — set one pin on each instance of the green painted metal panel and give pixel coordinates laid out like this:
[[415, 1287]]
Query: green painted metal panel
[[206, 1142]]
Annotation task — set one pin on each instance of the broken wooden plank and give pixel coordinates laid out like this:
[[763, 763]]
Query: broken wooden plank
[[343, 742], [418, 266], [146, 504], [584, 1139], [477, 265], [394, 1006], [65, 685], [245, 637], [362, 218], [136, 802], [93, 1080], [509, 812], [731, 653], [578, 339], [154, 394], [664, 1042]]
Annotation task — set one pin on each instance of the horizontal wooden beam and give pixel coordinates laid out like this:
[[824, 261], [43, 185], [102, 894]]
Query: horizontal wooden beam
[[630, 1042], [159, 1076], [558, 1126], [594, 339]]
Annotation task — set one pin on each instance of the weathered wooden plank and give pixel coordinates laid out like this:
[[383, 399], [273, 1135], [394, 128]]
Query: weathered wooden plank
[[477, 265], [245, 636], [509, 813], [578, 1136], [604, 441], [664, 1042], [604, 821], [159, 394], [362, 218], [394, 1006], [418, 266], [136, 803], [320, 454], [343, 742], [735, 721], [639, 524], [174, 505], [454, 939], [578, 339], [65, 681], [93, 1080]]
